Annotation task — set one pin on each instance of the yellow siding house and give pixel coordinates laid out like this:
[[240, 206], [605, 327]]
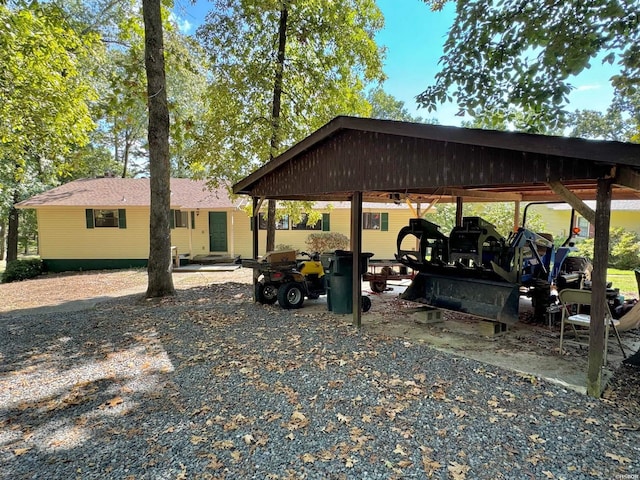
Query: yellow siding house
[[103, 223]]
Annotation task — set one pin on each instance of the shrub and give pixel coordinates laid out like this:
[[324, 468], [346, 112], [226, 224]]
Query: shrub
[[284, 246], [624, 249], [327, 242], [22, 270]]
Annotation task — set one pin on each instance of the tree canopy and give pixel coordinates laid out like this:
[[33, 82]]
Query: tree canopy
[[525, 53], [330, 57]]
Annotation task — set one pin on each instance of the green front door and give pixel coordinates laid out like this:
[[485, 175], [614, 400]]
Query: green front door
[[217, 231]]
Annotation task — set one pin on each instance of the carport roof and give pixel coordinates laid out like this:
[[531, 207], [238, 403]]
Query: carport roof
[[389, 159]]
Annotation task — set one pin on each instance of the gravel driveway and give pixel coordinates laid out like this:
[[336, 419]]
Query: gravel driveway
[[210, 385]]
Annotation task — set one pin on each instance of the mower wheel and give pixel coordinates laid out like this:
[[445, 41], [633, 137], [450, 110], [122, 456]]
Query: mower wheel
[[266, 293], [291, 295], [378, 286], [365, 303]]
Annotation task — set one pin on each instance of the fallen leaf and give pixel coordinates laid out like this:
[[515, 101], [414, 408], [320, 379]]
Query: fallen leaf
[[618, 458], [195, 440], [430, 466], [557, 413], [20, 451], [308, 458], [458, 471], [248, 439], [405, 463], [548, 474], [113, 402], [400, 451]]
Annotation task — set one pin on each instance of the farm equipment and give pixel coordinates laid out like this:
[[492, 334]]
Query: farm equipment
[[477, 271], [284, 278]]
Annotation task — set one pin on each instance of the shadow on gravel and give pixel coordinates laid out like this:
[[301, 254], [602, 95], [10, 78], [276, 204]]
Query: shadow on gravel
[[209, 384]]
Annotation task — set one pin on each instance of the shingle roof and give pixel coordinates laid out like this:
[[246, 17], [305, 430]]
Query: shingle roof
[[134, 192]]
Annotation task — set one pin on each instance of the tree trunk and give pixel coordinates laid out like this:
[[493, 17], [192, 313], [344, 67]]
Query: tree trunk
[[275, 119], [160, 278], [12, 230], [3, 233]]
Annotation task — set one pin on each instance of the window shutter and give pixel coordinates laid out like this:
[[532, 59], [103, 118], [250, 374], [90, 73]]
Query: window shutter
[[122, 218], [172, 218], [384, 222], [326, 225], [89, 215], [193, 220]]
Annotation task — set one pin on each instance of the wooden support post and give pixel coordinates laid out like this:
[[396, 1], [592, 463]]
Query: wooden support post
[[598, 287], [516, 216], [256, 225], [459, 208], [356, 248]]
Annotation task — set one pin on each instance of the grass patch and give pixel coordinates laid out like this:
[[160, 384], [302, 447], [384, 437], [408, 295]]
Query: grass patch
[[625, 280]]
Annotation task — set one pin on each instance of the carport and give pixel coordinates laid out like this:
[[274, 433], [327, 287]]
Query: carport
[[359, 159]]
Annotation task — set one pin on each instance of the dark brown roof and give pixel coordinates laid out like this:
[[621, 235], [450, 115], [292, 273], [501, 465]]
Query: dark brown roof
[[133, 192], [379, 157]]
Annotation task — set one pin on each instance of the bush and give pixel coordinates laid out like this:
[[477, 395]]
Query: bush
[[624, 249], [327, 242], [22, 270], [284, 246]]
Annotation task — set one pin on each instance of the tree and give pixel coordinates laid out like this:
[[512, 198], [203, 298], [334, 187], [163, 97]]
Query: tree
[[159, 268], [387, 107], [280, 70], [621, 121], [523, 53], [43, 102]]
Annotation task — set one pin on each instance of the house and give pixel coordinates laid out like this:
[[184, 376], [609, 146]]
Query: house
[[102, 223], [557, 216]]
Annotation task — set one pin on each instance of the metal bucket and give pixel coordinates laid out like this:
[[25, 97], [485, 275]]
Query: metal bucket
[[485, 298]]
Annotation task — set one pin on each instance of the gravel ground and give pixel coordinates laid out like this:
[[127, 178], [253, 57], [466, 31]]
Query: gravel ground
[[208, 384]]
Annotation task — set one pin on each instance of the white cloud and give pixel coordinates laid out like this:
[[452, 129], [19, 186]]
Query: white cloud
[[584, 88]]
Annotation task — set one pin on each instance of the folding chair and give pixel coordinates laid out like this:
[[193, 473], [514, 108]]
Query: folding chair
[[570, 297]]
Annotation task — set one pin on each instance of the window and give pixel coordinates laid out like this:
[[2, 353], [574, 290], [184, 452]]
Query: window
[[304, 225], [375, 221], [112, 218], [282, 223], [106, 218], [583, 225], [180, 219]]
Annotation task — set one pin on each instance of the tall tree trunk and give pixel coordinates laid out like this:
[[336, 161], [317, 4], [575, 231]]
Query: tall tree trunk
[[3, 234], [160, 278], [275, 119], [12, 231]]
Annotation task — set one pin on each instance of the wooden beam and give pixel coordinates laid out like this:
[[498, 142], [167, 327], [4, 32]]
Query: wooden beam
[[516, 216], [569, 197], [459, 208], [598, 287], [356, 249], [628, 177], [495, 196]]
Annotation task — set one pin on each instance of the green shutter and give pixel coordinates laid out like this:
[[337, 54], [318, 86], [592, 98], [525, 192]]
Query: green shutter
[[384, 222], [193, 220], [326, 225], [122, 218], [172, 219], [89, 215]]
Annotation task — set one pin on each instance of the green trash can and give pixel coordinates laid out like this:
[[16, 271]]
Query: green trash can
[[339, 273]]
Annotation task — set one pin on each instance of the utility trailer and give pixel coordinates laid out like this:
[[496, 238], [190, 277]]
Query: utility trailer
[[382, 271]]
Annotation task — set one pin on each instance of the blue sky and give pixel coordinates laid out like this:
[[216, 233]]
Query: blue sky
[[414, 37]]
